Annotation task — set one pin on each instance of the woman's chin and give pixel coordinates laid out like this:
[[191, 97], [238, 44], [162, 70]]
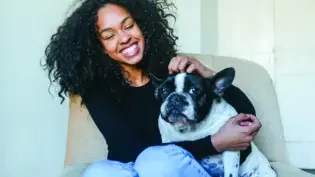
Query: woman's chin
[[133, 60]]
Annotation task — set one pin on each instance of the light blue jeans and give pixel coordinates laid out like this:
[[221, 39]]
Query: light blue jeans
[[155, 161]]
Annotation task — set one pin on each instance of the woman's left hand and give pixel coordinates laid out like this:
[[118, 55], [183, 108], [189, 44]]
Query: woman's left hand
[[189, 65]]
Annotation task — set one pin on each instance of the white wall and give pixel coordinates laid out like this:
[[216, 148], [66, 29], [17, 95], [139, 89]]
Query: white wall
[[279, 35], [33, 124], [295, 76], [188, 26]]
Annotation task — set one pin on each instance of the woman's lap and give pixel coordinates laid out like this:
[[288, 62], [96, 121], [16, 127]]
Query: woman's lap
[[155, 161]]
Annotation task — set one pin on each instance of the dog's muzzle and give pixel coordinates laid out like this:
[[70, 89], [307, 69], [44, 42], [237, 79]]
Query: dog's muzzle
[[176, 116], [177, 110]]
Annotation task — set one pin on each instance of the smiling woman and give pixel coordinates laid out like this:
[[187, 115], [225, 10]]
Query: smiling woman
[[99, 26], [104, 52], [120, 35]]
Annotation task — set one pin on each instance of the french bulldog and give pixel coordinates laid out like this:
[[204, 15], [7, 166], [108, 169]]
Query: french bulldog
[[192, 107]]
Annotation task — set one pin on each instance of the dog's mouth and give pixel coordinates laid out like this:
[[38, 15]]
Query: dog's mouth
[[179, 120], [176, 117]]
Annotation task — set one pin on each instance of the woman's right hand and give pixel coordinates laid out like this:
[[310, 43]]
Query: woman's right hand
[[237, 133]]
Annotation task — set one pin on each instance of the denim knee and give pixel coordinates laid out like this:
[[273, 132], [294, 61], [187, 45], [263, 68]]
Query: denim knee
[[168, 161], [107, 168]]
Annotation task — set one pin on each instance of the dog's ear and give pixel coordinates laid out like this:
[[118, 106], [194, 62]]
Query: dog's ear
[[222, 80], [156, 82]]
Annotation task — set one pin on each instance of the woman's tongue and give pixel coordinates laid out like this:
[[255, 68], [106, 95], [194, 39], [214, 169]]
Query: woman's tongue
[[130, 51]]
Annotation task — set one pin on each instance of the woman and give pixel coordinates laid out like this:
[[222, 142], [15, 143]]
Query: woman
[[104, 52]]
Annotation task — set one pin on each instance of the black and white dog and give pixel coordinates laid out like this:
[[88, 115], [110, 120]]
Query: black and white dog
[[193, 108]]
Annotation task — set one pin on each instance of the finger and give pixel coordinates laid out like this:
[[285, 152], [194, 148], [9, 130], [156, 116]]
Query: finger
[[240, 117], [213, 72], [170, 65], [250, 129], [183, 64], [248, 139], [191, 68], [252, 118], [245, 123], [197, 66], [175, 64], [255, 126]]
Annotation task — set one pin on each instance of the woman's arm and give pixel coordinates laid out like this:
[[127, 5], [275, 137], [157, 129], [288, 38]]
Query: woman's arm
[[199, 148]]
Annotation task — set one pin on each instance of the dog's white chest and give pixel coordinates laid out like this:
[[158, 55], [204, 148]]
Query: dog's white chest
[[216, 118]]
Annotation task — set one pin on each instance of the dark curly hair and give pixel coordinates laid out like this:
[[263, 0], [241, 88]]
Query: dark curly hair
[[75, 58]]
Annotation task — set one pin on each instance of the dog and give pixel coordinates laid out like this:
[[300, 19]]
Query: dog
[[192, 107]]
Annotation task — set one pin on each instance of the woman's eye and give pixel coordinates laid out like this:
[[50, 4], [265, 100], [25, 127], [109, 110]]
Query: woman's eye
[[129, 26], [108, 37]]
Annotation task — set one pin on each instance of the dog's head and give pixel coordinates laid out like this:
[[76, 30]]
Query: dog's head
[[186, 99]]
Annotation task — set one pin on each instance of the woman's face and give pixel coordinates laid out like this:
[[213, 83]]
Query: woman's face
[[120, 35]]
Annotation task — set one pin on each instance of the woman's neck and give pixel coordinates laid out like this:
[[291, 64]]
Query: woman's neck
[[135, 76]]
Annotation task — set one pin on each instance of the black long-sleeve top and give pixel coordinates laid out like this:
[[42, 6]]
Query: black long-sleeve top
[[131, 126]]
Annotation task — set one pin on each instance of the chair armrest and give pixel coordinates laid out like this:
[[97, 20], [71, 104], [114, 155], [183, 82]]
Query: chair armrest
[[285, 170], [74, 170]]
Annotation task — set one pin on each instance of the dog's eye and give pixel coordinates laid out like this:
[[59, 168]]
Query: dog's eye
[[193, 91], [164, 90]]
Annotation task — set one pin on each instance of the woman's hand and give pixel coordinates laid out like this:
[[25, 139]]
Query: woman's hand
[[237, 133], [189, 65]]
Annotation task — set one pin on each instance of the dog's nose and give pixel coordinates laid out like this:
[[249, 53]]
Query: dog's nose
[[177, 99]]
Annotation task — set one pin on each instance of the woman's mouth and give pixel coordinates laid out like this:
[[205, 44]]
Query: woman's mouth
[[131, 50]]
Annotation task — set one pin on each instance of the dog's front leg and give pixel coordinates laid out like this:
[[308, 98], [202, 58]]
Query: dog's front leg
[[231, 160]]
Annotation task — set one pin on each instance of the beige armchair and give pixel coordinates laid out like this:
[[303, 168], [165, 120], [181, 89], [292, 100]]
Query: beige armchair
[[85, 143]]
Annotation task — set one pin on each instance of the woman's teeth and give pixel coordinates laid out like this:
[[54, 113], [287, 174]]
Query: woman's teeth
[[130, 51]]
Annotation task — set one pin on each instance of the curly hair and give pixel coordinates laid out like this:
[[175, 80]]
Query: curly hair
[[75, 58]]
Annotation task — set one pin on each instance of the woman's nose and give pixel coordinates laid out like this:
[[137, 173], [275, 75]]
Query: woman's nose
[[124, 37]]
